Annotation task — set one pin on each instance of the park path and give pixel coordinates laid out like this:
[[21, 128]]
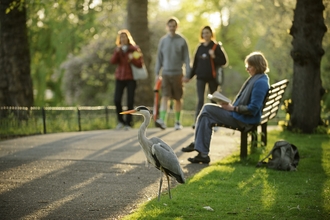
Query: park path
[[89, 175]]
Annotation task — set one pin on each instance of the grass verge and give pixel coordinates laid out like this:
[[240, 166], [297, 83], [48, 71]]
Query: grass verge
[[236, 189]]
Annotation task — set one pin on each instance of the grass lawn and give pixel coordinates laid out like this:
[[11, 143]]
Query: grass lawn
[[236, 189]]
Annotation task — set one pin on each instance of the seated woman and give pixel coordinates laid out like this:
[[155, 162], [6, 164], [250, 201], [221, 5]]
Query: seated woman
[[245, 111]]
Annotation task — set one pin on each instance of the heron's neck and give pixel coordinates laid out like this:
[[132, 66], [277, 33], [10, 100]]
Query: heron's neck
[[143, 127]]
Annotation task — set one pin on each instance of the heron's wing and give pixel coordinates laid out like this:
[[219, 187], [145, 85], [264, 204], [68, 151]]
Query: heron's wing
[[168, 161], [156, 140]]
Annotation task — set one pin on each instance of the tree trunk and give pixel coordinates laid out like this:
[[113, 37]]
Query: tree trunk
[[137, 24], [15, 77], [307, 31]]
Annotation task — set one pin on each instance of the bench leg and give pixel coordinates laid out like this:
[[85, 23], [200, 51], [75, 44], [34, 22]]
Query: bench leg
[[264, 133], [254, 137], [243, 144]]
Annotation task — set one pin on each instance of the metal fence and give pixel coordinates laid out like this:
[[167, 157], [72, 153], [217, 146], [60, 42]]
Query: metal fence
[[20, 121], [42, 120]]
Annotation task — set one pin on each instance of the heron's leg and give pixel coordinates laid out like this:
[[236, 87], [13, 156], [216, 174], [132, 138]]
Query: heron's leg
[[169, 186], [160, 184]]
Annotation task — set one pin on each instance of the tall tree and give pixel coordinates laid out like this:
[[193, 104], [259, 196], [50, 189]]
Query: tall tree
[[307, 31], [15, 77], [137, 24]]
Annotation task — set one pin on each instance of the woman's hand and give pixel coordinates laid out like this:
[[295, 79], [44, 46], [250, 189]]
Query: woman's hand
[[227, 106], [185, 80], [130, 56], [211, 52]]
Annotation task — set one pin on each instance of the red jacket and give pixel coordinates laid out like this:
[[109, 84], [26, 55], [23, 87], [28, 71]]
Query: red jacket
[[123, 70]]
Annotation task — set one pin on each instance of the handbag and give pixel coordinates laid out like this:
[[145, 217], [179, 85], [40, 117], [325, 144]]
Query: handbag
[[219, 75], [217, 71], [139, 73]]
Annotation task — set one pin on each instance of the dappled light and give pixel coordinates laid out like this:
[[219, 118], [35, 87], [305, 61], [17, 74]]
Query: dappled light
[[237, 189], [251, 28], [61, 157], [260, 182], [97, 173], [326, 168], [226, 170]]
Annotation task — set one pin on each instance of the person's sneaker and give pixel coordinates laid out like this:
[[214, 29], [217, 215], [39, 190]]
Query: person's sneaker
[[199, 159], [190, 148], [127, 128], [160, 124], [193, 126], [119, 126], [178, 126]]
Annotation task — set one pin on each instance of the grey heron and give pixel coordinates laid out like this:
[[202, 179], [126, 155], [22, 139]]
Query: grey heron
[[157, 152]]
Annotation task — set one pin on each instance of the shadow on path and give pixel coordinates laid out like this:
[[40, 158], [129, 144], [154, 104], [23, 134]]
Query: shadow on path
[[88, 175]]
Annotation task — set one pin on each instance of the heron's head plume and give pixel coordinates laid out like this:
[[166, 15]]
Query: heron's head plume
[[140, 110]]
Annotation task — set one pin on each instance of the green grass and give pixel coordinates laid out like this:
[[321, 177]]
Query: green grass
[[236, 189]]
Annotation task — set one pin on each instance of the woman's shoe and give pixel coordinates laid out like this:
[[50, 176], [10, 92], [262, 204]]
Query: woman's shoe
[[199, 159], [190, 148], [119, 126], [127, 128]]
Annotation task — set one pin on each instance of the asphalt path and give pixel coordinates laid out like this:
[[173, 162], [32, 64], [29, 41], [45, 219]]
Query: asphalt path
[[90, 175]]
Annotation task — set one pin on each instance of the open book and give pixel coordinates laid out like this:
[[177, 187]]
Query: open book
[[218, 97]]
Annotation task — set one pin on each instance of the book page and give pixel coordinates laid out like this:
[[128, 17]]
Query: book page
[[219, 98]]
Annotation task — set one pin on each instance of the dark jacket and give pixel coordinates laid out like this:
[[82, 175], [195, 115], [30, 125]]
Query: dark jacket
[[202, 62], [123, 70]]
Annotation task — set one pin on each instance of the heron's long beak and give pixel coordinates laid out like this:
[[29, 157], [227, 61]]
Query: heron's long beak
[[128, 112]]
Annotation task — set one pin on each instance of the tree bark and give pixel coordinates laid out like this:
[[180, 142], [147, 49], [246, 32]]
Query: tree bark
[[15, 77], [307, 31], [137, 24]]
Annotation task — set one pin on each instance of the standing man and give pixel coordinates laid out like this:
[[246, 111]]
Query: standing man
[[172, 54]]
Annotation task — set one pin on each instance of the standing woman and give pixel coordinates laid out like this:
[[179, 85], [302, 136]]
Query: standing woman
[[126, 53], [202, 67]]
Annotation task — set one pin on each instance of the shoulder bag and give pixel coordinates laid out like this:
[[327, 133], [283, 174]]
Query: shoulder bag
[[217, 71], [139, 73]]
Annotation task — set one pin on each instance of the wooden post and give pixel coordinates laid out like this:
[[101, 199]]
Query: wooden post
[[43, 112], [106, 117], [79, 123]]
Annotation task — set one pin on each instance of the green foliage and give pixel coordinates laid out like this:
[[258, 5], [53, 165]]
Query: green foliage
[[236, 189], [326, 102], [59, 31], [88, 77], [11, 126], [15, 4], [242, 28]]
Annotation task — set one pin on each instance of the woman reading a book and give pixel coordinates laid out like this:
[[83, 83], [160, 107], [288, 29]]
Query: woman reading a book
[[243, 113]]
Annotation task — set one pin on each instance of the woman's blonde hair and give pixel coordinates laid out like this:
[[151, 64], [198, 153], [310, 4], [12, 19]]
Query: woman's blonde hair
[[206, 28], [258, 61], [128, 34]]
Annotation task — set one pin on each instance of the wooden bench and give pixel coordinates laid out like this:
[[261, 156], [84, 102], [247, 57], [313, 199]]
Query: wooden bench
[[271, 106]]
